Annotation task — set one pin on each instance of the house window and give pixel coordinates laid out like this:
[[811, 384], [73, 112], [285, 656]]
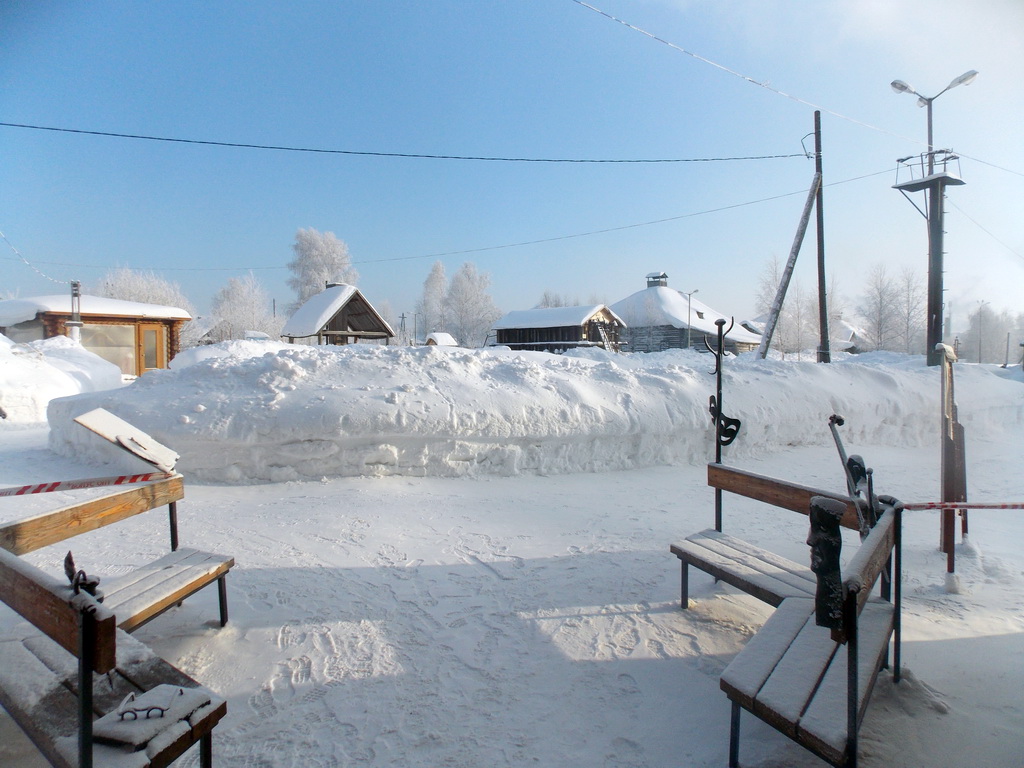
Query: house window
[[114, 343], [22, 333]]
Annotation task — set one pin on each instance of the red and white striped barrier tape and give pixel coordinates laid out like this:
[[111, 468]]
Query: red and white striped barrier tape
[[962, 505], [88, 482]]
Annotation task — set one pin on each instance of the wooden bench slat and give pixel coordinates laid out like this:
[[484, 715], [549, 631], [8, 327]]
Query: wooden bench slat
[[48, 528], [778, 493], [748, 580], [747, 672], [797, 576], [823, 725], [791, 685], [53, 607], [154, 587]]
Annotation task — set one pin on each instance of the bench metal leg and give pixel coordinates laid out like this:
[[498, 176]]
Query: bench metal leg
[[685, 585], [222, 595], [206, 751], [734, 737]]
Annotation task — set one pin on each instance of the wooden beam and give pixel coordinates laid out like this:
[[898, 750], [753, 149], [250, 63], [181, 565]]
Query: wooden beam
[[26, 535], [778, 493], [53, 607]]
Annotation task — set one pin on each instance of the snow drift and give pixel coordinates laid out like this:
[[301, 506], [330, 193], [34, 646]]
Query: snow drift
[[250, 411], [32, 374]]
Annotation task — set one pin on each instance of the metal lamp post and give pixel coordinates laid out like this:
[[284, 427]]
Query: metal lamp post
[[935, 184], [688, 315], [925, 101]]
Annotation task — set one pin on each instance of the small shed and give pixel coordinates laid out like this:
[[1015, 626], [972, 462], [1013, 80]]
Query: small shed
[[338, 315], [662, 318], [556, 329], [441, 339], [134, 336]]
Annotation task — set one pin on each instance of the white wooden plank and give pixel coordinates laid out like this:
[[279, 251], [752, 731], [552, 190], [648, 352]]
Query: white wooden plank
[[128, 437]]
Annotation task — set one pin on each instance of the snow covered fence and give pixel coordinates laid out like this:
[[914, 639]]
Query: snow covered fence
[[246, 411]]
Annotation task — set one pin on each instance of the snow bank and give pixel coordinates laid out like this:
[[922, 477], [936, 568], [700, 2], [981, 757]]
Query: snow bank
[[33, 374], [247, 411]]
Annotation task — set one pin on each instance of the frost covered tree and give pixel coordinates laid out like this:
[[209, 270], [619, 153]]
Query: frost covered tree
[[552, 299], [470, 310], [143, 286], [431, 306], [878, 308], [910, 311], [147, 287], [320, 258], [243, 305]]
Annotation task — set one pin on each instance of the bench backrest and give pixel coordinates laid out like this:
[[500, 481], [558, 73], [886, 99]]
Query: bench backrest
[[41, 530], [778, 493], [53, 608]]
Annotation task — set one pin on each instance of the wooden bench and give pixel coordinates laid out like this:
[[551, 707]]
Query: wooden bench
[[55, 700], [795, 675], [149, 590], [750, 568]]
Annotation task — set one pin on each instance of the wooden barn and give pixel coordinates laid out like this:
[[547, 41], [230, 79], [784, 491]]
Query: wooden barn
[[661, 318], [556, 329], [134, 336], [338, 315]]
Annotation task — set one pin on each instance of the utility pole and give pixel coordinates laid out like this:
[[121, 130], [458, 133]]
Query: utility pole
[[824, 351]]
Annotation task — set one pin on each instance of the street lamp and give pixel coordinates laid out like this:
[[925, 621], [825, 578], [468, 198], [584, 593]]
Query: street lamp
[[688, 295], [934, 184], [924, 101]]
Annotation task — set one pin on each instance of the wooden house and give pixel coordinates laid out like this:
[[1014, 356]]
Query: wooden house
[[660, 318], [134, 336], [338, 315], [556, 329]]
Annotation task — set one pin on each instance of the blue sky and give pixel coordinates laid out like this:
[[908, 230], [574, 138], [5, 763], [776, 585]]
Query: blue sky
[[533, 78]]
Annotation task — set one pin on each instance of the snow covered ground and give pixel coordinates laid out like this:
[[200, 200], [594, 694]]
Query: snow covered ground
[[460, 558]]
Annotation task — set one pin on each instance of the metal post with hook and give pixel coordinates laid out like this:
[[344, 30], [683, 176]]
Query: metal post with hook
[[726, 429]]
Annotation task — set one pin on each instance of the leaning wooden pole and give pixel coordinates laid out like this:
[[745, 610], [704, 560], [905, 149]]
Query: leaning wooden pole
[[787, 274], [824, 351]]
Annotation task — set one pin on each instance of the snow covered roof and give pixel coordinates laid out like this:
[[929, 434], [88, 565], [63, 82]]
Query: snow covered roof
[[14, 311], [441, 339], [551, 317], [660, 305], [318, 310]]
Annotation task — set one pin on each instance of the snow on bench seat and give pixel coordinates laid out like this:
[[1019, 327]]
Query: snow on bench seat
[[756, 571], [153, 588], [793, 675]]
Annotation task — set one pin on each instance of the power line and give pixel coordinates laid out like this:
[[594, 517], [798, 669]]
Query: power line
[[406, 155], [30, 265], [973, 221], [768, 87], [484, 249]]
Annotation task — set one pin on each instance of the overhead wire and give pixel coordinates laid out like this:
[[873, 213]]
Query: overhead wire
[[983, 229], [767, 85], [405, 155], [520, 244], [30, 265]]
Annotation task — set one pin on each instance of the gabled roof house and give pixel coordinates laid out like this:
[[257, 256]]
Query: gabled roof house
[[556, 329], [340, 314]]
